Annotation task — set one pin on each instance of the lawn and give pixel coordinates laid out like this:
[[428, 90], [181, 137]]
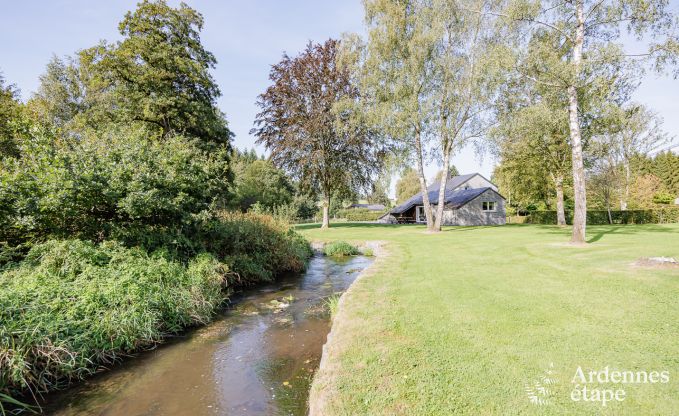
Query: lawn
[[463, 321]]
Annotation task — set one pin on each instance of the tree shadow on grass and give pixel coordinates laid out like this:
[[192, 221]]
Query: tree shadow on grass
[[597, 232]]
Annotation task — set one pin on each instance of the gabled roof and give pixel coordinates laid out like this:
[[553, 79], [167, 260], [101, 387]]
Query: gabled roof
[[454, 182], [453, 198]]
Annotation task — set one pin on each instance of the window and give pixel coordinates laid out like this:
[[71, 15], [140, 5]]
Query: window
[[488, 205]]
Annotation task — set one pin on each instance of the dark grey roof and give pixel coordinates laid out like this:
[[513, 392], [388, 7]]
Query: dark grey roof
[[452, 183], [453, 198], [372, 207]]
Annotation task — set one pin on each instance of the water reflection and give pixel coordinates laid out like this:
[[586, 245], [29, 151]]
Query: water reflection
[[257, 358]]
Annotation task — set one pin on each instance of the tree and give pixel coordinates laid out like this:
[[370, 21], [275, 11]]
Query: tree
[[604, 180], [379, 194], [158, 75], [466, 57], [643, 189], [587, 31], [394, 69], [407, 185], [311, 129], [10, 119], [523, 182], [452, 172], [61, 96], [635, 132], [664, 165], [261, 182], [531, 138], [108, 184]]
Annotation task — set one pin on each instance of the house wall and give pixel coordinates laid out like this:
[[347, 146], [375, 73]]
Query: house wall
[[472, 212]]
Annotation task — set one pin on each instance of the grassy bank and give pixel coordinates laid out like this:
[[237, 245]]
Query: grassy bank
[[462, 322], [70, 306]]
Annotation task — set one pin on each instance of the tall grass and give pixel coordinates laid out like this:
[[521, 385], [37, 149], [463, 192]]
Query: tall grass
[[71, 306]]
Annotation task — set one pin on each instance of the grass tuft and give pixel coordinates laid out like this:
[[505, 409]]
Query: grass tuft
[[332, 303], [340, 249]]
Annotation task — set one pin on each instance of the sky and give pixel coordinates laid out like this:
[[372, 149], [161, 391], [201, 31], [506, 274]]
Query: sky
[[246, 37]]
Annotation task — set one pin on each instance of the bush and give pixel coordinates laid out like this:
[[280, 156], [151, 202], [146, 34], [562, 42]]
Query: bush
[[256, 247], [359, 214], [340, 249], [649, 216], [71, 306], [92, 186]]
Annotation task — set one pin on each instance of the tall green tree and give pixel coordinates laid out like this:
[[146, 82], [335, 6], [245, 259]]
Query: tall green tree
[[635, 131], [466, 59], [531, 140], [62, 94], [429, 68], [158, 75], [395, 71], [10, 119], [260, 182], [311, 127], [407, 185], [587, 33]]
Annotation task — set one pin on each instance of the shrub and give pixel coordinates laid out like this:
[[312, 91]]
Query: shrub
[[256, 247], [71, 306], [340, 249], [93, 185], [359, 214]]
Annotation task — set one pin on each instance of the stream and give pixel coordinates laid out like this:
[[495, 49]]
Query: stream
[[257, 357]]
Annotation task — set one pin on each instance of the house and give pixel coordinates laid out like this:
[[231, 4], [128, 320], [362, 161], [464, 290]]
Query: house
[[371, 207], [469, 200], [676, 201]]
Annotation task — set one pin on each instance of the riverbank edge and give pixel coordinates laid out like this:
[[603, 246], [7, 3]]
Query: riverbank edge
[[323, 386]]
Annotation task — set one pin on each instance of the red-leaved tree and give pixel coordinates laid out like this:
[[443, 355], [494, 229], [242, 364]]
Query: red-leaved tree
[[312, 124]]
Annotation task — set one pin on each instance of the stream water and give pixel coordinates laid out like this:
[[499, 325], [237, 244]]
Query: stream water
[[256, 358]]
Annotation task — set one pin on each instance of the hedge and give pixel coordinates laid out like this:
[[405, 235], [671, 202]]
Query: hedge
[[359, 214], [600, 217]]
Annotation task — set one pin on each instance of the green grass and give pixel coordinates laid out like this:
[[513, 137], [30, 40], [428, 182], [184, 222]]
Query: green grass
[[332, 303], [461, 321]]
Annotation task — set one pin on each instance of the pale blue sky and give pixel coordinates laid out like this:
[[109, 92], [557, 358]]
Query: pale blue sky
[[246, 38]]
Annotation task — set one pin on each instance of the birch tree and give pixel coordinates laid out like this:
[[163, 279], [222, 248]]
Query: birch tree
[[395, 69], [428, 66], [590, 33], [467, 55]]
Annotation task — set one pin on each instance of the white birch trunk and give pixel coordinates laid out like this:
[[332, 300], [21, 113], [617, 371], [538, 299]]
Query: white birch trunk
[[579, 186], [423, 182]]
